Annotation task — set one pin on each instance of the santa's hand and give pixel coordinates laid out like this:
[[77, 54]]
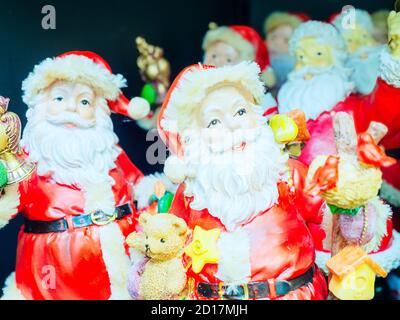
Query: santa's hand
[[394, 33]]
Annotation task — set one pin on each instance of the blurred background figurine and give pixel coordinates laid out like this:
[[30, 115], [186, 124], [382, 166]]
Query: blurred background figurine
[[320, 86], [155, 71], [278, 28], [228, 45], [363, 50], [379, 18]]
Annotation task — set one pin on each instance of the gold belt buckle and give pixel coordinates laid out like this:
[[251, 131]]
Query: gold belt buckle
[[221, 290], [98, 218]]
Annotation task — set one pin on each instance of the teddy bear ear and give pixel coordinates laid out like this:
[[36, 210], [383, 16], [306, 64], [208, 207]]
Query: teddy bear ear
[[181, 226], [144, 218]]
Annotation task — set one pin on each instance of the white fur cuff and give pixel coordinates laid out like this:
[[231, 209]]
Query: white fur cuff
[[390, 68], [146, 187], [9, 203]]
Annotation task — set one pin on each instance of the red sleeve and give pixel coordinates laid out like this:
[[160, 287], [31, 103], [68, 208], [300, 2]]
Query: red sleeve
[[382, 105], [132, 173], [179, 206], [309, 207]]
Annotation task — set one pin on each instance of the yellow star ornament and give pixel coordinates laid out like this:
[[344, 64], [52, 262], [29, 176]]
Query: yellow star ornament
[[203, 248]]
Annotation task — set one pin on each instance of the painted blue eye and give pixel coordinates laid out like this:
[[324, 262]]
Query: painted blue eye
[[58, 99], [213, 122], [85, 102], [241, 112]]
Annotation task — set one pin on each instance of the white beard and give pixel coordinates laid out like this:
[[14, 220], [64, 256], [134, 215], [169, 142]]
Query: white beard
[[365, 72], [81, 156], [321, 93], [236, 186]]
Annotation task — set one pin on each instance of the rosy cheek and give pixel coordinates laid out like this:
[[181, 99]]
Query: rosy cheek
[[54, 108], [87, 113]]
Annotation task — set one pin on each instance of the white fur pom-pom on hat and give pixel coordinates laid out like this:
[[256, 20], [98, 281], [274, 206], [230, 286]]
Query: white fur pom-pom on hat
[[138, 108], [175, 169]]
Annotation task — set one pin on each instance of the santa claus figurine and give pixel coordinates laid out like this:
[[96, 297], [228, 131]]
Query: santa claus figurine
[[321, 87], [364, 51], [228, 45], [278, 28], [239, 194], [78, 204], [379, 18]]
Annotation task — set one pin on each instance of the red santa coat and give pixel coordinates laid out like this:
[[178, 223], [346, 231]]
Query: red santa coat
[[280, 244], [88, 262], [379, 106]]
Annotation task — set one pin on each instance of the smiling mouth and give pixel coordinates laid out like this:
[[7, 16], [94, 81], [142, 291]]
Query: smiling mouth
[[69, 125], [239, 147]]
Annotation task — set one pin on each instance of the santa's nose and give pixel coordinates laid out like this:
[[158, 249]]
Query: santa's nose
[[71, 106]]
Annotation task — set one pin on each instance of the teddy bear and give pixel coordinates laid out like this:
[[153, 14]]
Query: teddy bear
[[160, 275]]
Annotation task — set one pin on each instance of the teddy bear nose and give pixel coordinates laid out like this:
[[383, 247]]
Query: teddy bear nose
[[147, 247]]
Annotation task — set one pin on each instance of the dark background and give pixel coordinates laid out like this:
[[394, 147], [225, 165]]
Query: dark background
[[109, 28]]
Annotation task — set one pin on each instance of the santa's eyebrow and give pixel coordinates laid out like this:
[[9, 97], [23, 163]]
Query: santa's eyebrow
[[216, 107], [86, 92], [58, 90], [211, 108]]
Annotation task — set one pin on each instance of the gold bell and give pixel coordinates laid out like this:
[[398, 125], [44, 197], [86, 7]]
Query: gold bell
[[17, 168]]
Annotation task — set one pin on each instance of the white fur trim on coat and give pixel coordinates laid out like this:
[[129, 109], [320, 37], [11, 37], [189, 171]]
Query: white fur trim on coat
[[99, 197], [231, 37], [73, 68], [390, 194], [145, 188], [116, 260], [384, 212], [390, 68], [234, 257], [10, 290], [9, 203], [388, 259], [193, 84]]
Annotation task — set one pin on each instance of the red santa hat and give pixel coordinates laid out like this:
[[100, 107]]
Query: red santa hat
[[245, 40], [186, 93], [88, 68]]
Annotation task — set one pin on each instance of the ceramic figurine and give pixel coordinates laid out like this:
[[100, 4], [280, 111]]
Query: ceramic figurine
[[240, 194], [278, 28], [78, 203]]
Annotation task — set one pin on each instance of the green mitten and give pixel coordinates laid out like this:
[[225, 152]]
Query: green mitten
[[149, 93], [3, 176], [165, 202]]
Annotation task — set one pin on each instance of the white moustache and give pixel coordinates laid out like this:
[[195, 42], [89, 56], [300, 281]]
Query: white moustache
[[222, 141], [72, 118]]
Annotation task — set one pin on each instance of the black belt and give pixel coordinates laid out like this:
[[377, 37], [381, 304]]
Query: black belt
[[84, 220], [254, 290]]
